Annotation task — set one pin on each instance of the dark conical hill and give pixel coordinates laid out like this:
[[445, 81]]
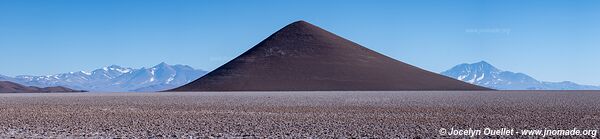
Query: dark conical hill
[[304, 57]]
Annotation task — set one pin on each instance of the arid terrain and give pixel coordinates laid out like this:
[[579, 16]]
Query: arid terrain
[[394, 114]]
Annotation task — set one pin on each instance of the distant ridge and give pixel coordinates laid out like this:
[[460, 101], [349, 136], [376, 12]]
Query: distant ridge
[[10, 87], [304, 57], [115, 78], [484, 74]]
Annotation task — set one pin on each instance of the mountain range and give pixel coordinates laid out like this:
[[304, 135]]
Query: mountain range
[[116, 78], [10, 87], [164, 76], [484, 74]]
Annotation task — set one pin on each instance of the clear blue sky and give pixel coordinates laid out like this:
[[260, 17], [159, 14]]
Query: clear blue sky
[[549, 40]]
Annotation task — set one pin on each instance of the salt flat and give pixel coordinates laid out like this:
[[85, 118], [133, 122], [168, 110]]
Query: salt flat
[[394, 114]]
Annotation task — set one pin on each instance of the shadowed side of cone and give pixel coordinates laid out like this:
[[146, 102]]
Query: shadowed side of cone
[[304, 57]]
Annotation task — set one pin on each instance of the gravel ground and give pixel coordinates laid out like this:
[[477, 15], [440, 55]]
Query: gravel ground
[[405, 114]]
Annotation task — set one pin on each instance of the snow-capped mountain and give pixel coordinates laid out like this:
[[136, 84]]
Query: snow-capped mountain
[[484, 74], [80, 80], [110, 72], [2, 77], [117, 79], [159, 77]]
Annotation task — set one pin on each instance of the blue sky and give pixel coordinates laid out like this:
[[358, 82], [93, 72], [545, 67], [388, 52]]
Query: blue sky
[[549, 40]]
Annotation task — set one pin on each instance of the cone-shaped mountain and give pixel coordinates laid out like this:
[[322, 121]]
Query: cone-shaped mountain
[[304, 57]]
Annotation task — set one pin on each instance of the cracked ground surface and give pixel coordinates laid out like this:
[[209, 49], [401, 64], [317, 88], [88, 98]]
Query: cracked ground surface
[[393, 114]]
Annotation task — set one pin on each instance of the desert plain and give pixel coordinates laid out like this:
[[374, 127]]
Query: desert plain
[[333, 114]]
